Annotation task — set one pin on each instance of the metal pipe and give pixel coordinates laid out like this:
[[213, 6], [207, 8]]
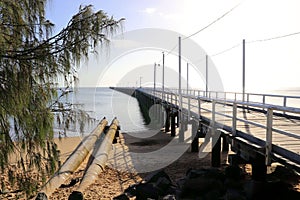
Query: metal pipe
[[98, 164], [73, 162]]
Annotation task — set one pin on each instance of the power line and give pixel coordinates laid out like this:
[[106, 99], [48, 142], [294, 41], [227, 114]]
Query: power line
[[202, 29], [273, 38], [213, 22], [234, 46], [253, 41], [226, 50]]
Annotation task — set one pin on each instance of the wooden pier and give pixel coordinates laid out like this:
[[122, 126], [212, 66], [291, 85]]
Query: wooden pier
[[258, 132]]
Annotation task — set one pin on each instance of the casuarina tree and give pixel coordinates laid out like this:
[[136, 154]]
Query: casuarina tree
[[32, 62]]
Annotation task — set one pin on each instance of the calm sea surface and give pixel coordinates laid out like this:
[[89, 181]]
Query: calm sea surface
[[104, 102]]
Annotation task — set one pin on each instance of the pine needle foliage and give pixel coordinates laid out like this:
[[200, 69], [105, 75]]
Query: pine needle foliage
[[32, 59]]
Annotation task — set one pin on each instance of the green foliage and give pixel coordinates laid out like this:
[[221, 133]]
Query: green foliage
[[31, 62]]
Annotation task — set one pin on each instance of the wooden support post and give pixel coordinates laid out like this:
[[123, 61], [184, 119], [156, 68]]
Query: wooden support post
[[178, 118], [216, 150], [167, 123], [173, 125], [195, 142], [182, 128], [185, 123], [225, 145], [259, 169]]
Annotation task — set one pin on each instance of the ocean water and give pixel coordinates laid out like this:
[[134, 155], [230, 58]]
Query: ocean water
[[104, 102]]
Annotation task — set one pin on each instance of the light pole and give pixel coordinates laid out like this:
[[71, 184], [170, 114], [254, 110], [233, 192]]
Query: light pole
[[244, 69], [206, 75], [181, 131], [187, 90], [179, 70], [154, 85], [187, 77], [163, 76], [141, 81]]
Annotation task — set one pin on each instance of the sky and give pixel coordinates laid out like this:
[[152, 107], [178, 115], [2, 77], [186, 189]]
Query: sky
[[270, 64]]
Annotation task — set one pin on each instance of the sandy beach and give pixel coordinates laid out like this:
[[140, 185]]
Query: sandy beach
[[122, 170]]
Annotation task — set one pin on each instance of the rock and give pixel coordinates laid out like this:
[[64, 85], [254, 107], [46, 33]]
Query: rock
[[155, 185], [121, 197], [41, 196], [169, 197], [131, 191], [76, 195], [213, 195], [233, 172], [292, 195], [254, 189], [234, 175], [211, 173], [202, 182], [285, 175], [234, 194]]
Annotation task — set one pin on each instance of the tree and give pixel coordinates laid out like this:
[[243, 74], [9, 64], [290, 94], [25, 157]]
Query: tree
[[31, 61]]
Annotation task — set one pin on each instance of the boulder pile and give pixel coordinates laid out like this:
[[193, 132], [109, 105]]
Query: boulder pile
[[214, 184]]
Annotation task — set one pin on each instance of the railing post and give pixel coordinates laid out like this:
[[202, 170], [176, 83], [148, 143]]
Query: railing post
[[269, 136], [199, 107], [234, 112], [213, 116], [248, 101], [264, 101], [189, 108], [284, 103]]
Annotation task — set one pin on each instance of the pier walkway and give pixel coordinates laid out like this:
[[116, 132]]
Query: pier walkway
[[259, 127]]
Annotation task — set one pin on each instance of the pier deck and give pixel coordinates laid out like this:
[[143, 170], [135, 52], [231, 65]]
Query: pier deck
[[273, 129]]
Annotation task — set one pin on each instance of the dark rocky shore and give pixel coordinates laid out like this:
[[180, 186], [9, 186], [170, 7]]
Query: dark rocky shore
[[231, 183]]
